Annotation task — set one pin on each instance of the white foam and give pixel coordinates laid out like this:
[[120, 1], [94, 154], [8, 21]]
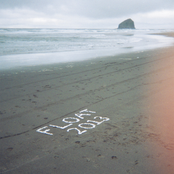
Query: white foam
[[28, 47]]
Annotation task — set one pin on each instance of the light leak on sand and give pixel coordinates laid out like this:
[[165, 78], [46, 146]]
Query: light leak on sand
[[90, 124]]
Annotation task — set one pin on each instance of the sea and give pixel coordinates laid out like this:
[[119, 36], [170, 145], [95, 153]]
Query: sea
[[37, 46]]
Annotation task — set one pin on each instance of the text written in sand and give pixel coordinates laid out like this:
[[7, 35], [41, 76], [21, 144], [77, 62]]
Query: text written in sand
[[89, 124]]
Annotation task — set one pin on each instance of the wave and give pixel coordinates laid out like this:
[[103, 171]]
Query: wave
[[91, 42]]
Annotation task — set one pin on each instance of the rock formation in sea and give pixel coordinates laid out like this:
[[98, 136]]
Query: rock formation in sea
[[127, 24]]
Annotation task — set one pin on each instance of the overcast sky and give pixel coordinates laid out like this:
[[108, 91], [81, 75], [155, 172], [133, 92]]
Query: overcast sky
[[86, 13]]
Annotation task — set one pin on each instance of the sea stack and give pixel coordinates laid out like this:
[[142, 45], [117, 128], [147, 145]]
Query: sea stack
[[127, 24]]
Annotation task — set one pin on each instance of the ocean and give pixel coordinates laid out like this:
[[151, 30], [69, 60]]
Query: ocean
[[36, 46]]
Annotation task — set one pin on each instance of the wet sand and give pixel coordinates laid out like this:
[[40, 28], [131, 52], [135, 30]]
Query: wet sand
[[131, 94]]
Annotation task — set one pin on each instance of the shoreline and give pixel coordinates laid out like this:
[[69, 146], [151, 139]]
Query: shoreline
[[169, 34], [128, 89], [41, 59]]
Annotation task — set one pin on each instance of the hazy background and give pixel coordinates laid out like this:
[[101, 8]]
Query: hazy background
[[86, 13]]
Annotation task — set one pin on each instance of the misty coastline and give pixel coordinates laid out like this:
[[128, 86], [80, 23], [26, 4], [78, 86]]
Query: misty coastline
[[47, 46]]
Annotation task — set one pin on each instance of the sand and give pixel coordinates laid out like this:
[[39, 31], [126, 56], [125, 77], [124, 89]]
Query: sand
[[127, 127]]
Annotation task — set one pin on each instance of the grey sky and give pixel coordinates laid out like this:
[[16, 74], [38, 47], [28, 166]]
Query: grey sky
[[87, 13]]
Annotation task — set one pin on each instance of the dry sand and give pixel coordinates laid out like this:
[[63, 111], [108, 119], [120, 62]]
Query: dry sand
[[135, 91]]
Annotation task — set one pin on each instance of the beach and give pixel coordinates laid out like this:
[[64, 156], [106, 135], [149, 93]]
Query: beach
[[105, 115]]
